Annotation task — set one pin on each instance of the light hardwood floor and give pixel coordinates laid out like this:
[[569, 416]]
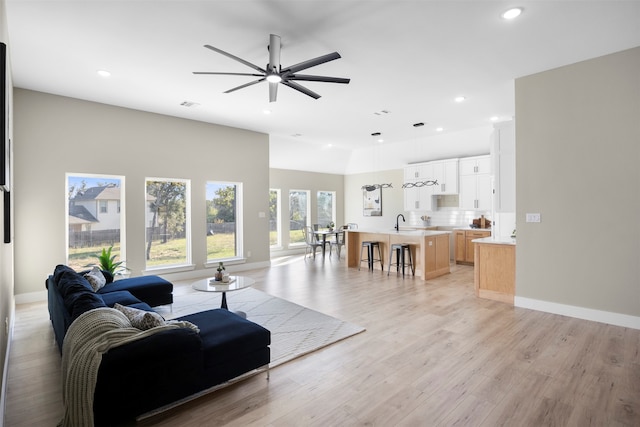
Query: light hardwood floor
[[433, 354]]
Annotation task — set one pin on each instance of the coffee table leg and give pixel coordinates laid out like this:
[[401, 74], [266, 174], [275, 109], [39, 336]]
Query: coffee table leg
[[224, 301]]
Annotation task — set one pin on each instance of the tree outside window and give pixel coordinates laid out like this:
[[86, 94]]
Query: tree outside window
[[298, 215], [94, 221], [167, 234], [224, 225]]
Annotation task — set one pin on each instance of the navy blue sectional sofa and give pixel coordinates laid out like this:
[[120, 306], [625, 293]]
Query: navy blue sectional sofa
[[162, 368]]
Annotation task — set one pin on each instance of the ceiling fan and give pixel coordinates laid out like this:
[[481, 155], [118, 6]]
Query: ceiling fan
[[274, 73]]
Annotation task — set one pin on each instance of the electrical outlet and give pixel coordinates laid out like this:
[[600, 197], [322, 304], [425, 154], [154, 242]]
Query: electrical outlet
[[6, 325], [533, 217], [248, 254]]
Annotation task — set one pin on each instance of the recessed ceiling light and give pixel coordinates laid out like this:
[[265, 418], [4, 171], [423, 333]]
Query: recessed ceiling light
[[103, 73], [267, 112], [495, 118], [377, 136], [512, 13], [439, 129], [459, 98]]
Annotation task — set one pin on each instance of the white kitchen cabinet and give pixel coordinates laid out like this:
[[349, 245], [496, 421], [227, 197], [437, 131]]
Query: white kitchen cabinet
[[475, 186], [418, 172], [503, 154], [475, 165], [446, 173], [418, 198]]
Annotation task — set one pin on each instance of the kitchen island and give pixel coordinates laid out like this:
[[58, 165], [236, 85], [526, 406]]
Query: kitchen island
[[495, 268], [429, 249]]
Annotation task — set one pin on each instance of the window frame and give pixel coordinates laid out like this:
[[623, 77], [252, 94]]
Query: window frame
[[307, 213], [122, 254], [239, 228], [187, 227]]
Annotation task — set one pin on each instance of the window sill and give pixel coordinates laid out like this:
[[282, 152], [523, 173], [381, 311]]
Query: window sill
[[168, 269], [227, 262]]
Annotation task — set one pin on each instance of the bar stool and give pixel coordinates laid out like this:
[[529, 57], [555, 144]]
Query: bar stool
[[399, 249], [369, 245]]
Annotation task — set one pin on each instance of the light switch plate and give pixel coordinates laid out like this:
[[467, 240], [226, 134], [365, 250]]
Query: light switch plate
[[533, 217]]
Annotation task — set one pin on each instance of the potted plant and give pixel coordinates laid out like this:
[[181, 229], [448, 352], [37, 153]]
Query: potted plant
[[107, 261], [219, 274], [330, 226]]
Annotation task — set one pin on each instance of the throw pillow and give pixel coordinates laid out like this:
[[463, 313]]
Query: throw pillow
[[140, 319], [96, 279]]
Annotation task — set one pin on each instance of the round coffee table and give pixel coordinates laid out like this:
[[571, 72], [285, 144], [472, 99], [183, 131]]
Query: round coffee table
[[235, 284]]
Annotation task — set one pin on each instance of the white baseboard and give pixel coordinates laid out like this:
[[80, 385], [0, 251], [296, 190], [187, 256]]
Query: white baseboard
[[608, 317], [5, 368]]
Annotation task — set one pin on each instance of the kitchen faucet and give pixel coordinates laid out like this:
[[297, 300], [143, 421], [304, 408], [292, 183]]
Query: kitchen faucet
[[397, 218]]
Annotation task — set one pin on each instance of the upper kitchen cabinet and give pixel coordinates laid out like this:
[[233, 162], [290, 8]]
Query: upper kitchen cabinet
[[475, 165], [418, 172], [475, 183], [503, 153], [446, 173], [418, 197]]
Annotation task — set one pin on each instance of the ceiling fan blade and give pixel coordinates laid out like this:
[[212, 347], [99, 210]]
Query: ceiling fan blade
[[273, 91], [312, 62], [302, 89], [308, 78], [228, 74], [227, 54], [274, 53], [245, 85]]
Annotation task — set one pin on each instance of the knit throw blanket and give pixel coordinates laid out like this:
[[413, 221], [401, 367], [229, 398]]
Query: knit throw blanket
[[91, 335]]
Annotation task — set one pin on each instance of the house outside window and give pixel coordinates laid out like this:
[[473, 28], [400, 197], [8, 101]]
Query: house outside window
[[275, 238], [168, 230], [224, 221], [93, 222], [298, 215], [326, 207]]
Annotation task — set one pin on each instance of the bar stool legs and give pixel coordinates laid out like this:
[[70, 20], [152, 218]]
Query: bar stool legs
[[399, 249], [369, 246]]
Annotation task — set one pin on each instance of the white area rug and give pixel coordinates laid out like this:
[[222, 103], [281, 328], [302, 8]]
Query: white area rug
[[295, 330]]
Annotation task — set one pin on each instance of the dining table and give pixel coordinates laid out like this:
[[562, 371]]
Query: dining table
[[321, 235]]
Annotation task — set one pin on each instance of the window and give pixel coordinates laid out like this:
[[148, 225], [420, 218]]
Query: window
[[224, 221], [91, 224], [326, 207], [274, 218], [167, 223], [298, 215]]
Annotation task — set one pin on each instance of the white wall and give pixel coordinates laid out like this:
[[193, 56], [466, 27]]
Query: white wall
[[55, 135], [578, 165]]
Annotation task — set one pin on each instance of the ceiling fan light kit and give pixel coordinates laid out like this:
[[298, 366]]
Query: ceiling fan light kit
[[274, 73]]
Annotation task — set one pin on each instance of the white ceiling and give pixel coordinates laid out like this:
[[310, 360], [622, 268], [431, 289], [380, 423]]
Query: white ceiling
[[410, 58]]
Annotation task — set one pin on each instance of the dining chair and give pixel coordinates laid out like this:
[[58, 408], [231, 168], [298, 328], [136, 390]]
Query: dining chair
[[311, 242], [338, 243]]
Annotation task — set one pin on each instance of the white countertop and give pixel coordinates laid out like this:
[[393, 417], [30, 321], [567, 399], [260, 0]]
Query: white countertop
[[402, 232], [496, 240], [472, 229]]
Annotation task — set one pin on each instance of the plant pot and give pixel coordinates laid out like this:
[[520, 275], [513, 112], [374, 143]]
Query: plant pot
[[218, 276]]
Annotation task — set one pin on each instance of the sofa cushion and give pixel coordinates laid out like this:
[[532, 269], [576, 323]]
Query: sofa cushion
[[120, 297], [76, 292], [140, 319], [226, 335], [153, 290]]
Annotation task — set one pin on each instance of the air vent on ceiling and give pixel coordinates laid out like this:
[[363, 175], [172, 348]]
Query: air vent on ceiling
[[189, 104]]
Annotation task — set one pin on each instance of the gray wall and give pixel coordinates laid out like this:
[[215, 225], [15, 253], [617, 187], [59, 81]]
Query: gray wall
[[55, 135], [578, 164]]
